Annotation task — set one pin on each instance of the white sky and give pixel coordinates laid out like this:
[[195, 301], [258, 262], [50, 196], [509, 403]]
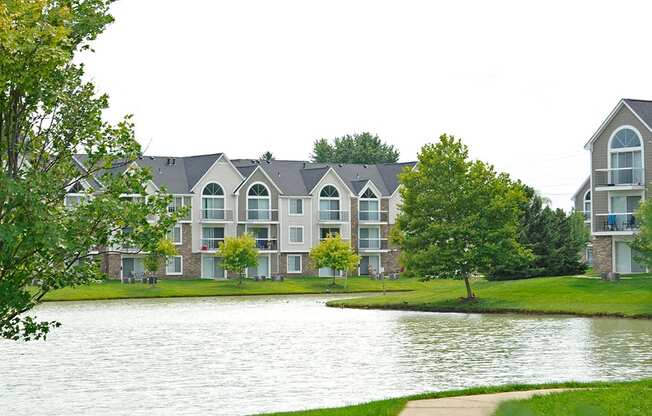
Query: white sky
[[523, 85]]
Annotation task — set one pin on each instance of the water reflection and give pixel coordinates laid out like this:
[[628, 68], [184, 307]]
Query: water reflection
[[235, 356]]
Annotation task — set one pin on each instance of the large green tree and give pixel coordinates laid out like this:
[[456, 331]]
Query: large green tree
[[47, 113], [357, 148], [458, 216], [334, 253], [554, 237], [238, 253], [642, 242]]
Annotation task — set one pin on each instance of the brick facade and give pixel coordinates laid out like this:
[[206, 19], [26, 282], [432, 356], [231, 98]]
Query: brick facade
[[602, 253]]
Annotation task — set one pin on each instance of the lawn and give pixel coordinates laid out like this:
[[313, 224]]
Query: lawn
[[113, 289], [556, 295], [605, 400], [629, 399]]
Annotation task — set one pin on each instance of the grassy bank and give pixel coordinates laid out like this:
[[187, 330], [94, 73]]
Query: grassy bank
[[113, 289], [604, 400], [555, 295]]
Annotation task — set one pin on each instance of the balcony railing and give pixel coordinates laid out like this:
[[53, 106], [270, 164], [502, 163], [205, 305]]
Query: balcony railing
[[373, 216], [211, 243], [268, 244], [617, 222], [372, 244], [216, 214], [333, 216], [618, 177], [262, 215]]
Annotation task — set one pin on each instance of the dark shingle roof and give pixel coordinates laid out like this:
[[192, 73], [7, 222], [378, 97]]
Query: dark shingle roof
[[641, 107], [294, 177]]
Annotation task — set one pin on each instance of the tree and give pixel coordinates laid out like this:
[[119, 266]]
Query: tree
[[334, 253], [267, 156], [357, 148], [554, 237], [165, 248], [47, 113], [458, 216], [642, 242], [238, 253]]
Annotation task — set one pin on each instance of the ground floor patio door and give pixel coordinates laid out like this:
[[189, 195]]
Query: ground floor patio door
[[625, 259], [366, 261], [131, 266], [211, 267], [262, 270]]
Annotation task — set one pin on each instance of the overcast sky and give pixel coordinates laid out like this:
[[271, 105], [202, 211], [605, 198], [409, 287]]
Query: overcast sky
[[523, 85]]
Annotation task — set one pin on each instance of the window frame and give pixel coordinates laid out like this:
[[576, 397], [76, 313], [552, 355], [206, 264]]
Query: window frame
[[303, 238], [167, 262], [267, 197], [290, 213], [213, 197], [300, 264], [180, 234]]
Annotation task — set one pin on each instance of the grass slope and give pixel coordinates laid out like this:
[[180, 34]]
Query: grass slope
[[392, 407], [113, 289], [630, 399], [568, 295]]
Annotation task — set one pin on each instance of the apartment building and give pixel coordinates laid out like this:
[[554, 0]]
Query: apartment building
[[621, 165], [288, 206]]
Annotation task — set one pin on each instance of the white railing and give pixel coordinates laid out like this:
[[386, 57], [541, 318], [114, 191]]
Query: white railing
[[373, 216], [625, 221], [372, 243], [330, 215], [619, 176], [262, 215], [216, 214], [211, 243]]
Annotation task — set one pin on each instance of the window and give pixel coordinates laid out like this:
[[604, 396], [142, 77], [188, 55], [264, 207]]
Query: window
[[625, 157], [75, 195], [211, 267], [587, 206], [211, 237], [258, 203], [622, 211], [181, 201], [370, 238], [296, 206], [174, 265], [175, 234], [212, 202], [294, 263], [296, 235], [324, 232], [369, 206], [329, 204]]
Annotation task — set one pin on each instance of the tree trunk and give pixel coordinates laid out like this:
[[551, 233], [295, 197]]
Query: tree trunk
[[469, 292], [241, 277], [333, 284]]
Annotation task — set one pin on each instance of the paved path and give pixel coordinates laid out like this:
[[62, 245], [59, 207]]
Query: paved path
[[477, 405]]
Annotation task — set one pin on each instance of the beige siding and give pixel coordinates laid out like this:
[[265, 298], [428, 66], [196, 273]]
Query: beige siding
[[257, 177], [600, 152]]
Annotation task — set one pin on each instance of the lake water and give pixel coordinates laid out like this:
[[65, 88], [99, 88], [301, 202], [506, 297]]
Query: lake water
[[245, 355]]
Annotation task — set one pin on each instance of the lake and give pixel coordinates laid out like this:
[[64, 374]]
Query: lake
[[246, 355]]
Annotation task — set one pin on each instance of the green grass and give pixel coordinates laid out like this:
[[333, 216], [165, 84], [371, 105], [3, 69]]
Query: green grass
[[113, 289], [392, 407], [630, 399], [554, 295]]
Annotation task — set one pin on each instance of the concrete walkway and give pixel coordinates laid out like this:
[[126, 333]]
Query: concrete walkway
[[477, 405]]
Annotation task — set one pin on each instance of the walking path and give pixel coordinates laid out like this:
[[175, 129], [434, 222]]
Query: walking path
[[477, 405]]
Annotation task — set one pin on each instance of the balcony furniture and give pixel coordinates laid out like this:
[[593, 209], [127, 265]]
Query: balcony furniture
[[611, 222]]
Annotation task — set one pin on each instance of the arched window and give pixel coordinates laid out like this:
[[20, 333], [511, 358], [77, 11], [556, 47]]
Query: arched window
[[212, 202], [258, 203], [625, 157], [329, 204], [75, 195], [369, 206], [587, 206]]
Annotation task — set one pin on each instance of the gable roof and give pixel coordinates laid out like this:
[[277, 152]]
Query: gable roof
[[582, 187], [642, 109]]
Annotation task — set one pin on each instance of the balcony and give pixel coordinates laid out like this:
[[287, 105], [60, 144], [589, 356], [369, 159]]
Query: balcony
[[373, 216], [216, 214], [372, 244], [616, 222], [211, 244], [618, 177], [267, 244], [333, 216], [262, 215]]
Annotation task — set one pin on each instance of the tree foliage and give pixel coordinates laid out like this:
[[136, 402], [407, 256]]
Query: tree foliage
[[267, 156], [357, 148], [458, 216], [334, 253], [554, 237], [48, 113], [642, 242], [238, 253], [165, 248]]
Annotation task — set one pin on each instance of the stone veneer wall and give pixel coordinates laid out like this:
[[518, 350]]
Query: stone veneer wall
[[602, 253], [306, 266]]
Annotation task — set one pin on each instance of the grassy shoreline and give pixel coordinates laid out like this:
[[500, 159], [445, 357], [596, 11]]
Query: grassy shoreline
[[177, 288], [631, 298], [393, 406]]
